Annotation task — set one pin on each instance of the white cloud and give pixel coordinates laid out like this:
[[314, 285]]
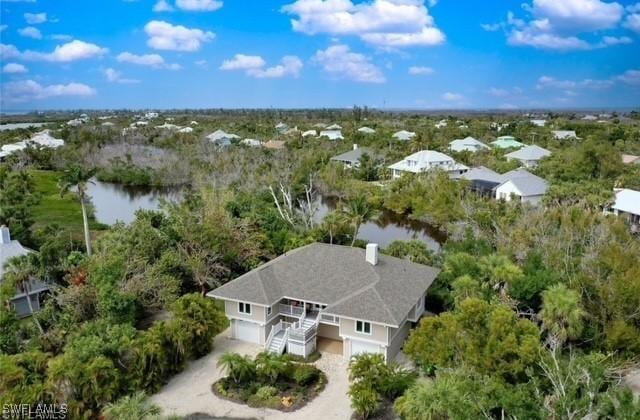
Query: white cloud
[[162, 6], [612, 40], [631, 77], [633, 21], [420, 70], [115, 76], [30, 32], [557, 25], [546, 82], [165, 36], [8, 51], [28, 90], [491, 27], [202, 64], [61, 37], [339, 62], [14, 68], [384, 23], [71, 51], [198, 5], [35, 18], [254, 66], [452, 97], [498, 92], [149, 60]]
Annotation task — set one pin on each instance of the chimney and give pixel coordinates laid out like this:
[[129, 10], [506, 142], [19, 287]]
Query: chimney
[[5, 236], [371, 254], [355, 146]]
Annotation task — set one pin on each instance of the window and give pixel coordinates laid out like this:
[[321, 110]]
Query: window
[[244, 308], [269, 311], [363, 327]]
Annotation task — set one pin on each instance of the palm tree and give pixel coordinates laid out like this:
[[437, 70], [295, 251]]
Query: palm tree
[[131, 407], [78, 177], [561, 314], [236, 366], [21, 272], [358, 211], [271, 365]]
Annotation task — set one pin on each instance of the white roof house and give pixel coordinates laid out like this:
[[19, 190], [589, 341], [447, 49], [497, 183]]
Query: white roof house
[[627, 204], [75, 122], [426, 160], [42, 139], [251, 142], [366, 130], [440, 124], [194, 123], [168, 126], [334, 127], [222, 137], [539, 123], [521, 185], [186, 130], [529, 156], [589, 118], [564, 134], [467, 144], [332, 134], [282, 127], [310, 133], [403, 135], [107, 124]]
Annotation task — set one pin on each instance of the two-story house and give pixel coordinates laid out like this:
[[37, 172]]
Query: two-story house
[[325, 296], [426, 160]]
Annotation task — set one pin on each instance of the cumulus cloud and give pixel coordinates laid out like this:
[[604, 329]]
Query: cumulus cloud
[[165, 36], [114, 76], [14, 68], [632, 21], [491, 27], [546, 82], [30, 32], [420, 70], [35, 18], [452, 97], [8, 51], [198, 5], [61, 37], [71, 51], [340, 62], [383, 23], [149, 60], [558, 25], [254, 66], [28, 90], [631, 77], [162, 6]]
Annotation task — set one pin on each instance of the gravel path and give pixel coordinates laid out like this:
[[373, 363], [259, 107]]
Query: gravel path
[[190, 391]]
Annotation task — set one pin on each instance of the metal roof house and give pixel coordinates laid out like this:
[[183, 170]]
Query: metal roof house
[[221, 137], [426, 160], [351, 159], [354, 299], [627, 204], [506, 142], [467, 144], [332, 134], [529, 156], [521, 185], [366, 130], [403, 135], [564, 134], [10, 249]]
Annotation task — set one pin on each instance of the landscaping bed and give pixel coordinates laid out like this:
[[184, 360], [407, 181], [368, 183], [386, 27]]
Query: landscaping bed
[[269, 381]]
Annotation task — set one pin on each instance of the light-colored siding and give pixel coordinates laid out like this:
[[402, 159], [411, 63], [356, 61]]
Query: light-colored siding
[[378, 332], [329, 331], [257, 312], [398, 340]]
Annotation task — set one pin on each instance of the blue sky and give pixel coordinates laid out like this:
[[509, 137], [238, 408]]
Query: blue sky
[[319, 53]]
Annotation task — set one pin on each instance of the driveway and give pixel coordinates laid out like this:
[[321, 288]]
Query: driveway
[[190, 391]]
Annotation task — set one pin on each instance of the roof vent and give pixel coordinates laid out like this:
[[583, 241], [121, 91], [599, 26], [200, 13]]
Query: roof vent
[[5, 236], [371, 254]]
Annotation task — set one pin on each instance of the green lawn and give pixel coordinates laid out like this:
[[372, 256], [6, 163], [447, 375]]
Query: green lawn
[[52, 208]]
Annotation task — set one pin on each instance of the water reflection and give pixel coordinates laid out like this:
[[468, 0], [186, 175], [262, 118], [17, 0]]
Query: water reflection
[[388, 227]]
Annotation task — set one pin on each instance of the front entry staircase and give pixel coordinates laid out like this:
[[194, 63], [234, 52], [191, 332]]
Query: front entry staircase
[[280, 332]]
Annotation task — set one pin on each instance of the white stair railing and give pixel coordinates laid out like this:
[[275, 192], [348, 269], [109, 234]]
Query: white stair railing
[[274, 330]]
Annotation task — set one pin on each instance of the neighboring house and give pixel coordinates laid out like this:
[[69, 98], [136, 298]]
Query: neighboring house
[[334, 127], [274, 144], [366, 130], [539, 123], [426, 160], [185, 130], [440, 124], [404, 135], [151, 115], [168, 126], [282, 127], [10, 249], [40, 139], [332, 134], [107, 124], [467, 144], [319, 294], [521, 185], [506, 142], [221, 137], [351, 159], [529, 156], [251, 142], [564, 134], [630, 159], [308, 133], [589, 118], [482, 180], [627, 204], [194, 123]]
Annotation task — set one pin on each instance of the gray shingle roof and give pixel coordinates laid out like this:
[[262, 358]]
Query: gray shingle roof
[[10, 250], [354, 155], [482, 174], [526, 182], [339, 277], [532, 152]]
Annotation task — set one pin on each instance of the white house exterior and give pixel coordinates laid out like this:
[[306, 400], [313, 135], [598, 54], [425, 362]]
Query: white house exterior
[[334, 127], [426, 160], [221, 137], [332, 134], [310, 133], [40, 139], [467, 144], [251, 142], [529, 156], [627, 204], [539, 123], [366, 130], [356, 299], [404, 135], [440, 124], [522, 186], [564, 134]]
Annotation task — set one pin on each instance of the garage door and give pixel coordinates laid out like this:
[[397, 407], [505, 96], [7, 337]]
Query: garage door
[[247, 331], [359, 347]]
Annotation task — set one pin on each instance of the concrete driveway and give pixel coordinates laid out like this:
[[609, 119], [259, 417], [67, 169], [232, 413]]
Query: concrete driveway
[[190, 391]]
